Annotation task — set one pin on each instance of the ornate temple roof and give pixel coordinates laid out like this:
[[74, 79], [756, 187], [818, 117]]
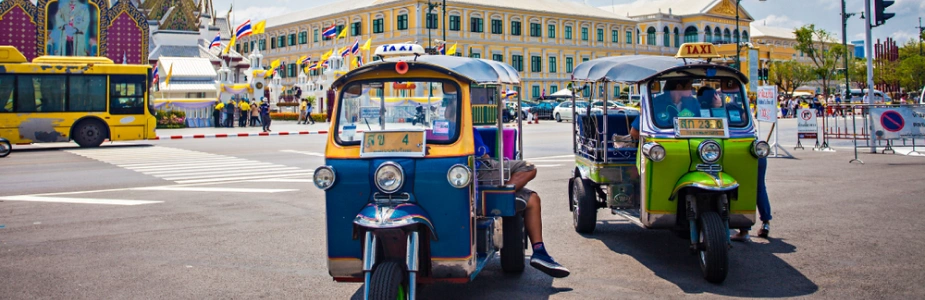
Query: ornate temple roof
[[182, 17]]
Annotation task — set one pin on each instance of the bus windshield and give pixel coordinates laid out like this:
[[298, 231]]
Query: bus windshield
[[716, 98], [428, 105]]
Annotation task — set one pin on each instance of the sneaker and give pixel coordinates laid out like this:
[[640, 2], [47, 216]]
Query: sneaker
[[765, 229], [547, 265], [741, 236]]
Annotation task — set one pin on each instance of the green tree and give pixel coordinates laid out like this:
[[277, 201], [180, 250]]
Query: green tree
[[789, 75], [911, 73], [822, 49]]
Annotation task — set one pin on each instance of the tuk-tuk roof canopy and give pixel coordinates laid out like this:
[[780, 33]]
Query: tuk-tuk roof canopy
[[479, 71], [636, 68]]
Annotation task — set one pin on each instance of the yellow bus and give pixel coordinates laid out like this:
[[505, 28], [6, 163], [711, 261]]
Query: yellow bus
[[84, 99]]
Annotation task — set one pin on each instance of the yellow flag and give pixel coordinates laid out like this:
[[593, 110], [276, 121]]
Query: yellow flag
[[452, 50], [302, 58], [230, 45], [307, 70], [169, 73], [366, 46], [326, 55], [343, 33], [259, 27], [274, 64]]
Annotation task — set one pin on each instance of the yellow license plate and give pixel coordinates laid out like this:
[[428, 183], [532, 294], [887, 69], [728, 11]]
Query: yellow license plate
[[701, 127], [393, 143]]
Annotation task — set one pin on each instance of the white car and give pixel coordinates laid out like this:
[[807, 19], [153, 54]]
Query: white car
[[564, 110]]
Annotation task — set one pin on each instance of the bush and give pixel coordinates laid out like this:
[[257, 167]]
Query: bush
[[321, 117], [170, 118]]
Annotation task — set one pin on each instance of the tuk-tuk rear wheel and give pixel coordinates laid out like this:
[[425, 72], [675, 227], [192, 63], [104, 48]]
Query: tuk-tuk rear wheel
[[386, 282], [714, 249], [512, 254], [5, 147], [584, 206]]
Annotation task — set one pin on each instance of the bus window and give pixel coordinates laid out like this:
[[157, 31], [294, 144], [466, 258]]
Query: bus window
[[41, 93], [87, 93], [127, 94], [6, 93]]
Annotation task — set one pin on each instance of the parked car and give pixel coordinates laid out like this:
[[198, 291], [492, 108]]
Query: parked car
[[543, 110], [564, 110]]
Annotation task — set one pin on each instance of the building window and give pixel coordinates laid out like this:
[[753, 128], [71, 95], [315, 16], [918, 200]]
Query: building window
[[584, 33], [515, 28], [745, 36], [536, 64], [616, 91], [629, 37], [536, 92], [650, 36], [568, 32], [378, 25], [553, 89], [431, 21], [690, 34], [252, 45], [517, 61], [475, 24], [586, 93], [356, 28], [315, 36], [569, 64], [584, 59], [717, 35], [237, 48], [402, 22], [614, 36], [272, 43], [638, 37], [497, 27], [666, 37], [552, 64], [291, 40], [280, 42], [303, 37], [535, 29], [262, 44], [707, 34], [291, 68], [677, 38], [475, 55], [454, 23], [497, 57], [600, 34], [552, 31], [727, 37]]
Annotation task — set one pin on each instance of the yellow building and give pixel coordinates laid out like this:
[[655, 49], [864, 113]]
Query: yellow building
[[544, 39]]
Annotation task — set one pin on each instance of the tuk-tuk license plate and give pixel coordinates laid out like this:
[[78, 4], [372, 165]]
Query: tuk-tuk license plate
[[393, 143], [701, 127]]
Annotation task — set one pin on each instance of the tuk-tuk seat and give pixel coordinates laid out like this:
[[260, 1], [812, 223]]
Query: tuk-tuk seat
[[489, 137], [591, 136]]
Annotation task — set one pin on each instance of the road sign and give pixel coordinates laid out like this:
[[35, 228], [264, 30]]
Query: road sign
[[892, 121], [767, 104], [898, 122], [807, 127]]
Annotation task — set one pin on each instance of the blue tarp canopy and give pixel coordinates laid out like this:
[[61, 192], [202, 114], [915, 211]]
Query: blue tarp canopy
[[636, 68], [479, 71]]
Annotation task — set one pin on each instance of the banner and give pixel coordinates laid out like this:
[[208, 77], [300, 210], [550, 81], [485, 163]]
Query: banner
[[236, 89], [767, 104], [898, 122], [807, 128]]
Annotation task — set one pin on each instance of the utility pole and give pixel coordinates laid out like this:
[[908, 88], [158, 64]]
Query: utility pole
[[921, 31], [844, 42], [444, 21], [738, 58], [869, 45]]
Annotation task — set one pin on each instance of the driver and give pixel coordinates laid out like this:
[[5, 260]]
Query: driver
[[676, 101]]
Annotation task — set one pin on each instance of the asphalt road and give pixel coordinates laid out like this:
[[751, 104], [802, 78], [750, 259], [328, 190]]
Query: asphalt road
[[239, 218]]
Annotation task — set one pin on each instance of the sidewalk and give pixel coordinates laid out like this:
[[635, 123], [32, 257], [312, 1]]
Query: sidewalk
[[278, 127]]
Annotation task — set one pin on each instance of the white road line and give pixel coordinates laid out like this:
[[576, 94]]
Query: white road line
[[282, 180], [167, 161], [234, 167], [234, 162], [304, 152], [230, 181], [214, 189], [545, 166], [227, 175], [548, 157], [34, 198]]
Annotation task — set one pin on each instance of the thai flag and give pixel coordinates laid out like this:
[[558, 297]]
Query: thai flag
[[355, 49], [359, 61], [154, 74], [441, 49], [330, 32], [345, 52], [216, 42], [307, 60], [243, 30]]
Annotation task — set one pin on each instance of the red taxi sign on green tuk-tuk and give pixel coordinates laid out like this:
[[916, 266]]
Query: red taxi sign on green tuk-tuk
[[697, 50]]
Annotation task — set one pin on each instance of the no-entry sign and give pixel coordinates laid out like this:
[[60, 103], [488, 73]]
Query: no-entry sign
[[807, 128]]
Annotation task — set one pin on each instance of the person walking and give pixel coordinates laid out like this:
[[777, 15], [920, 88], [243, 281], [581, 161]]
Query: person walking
[[254, 114], [244, 112], [265, 115], [764, 205], [229, 114], [217, 114], [308, 112], [301, 112]]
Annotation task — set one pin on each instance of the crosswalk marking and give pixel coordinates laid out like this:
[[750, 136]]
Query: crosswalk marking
[[34, 198], [188, 166], [213, 189]]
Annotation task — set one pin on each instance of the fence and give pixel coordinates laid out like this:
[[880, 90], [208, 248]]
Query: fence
[[855, 123]]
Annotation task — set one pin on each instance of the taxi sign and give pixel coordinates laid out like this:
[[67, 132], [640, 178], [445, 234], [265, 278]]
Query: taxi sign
[[392, 143], [697, 50], [399, 50], [701, 127]]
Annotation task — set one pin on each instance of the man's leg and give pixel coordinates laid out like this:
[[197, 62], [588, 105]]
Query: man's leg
[[533, 219]]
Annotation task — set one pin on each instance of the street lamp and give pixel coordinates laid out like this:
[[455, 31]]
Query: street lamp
[[844, 42], [739, 36]]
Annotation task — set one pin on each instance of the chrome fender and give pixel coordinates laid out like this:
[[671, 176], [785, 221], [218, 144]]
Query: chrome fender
[[375, 216], [719, 182]]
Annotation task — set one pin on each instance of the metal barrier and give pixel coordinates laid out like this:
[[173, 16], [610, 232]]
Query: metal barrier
[[854, 122]]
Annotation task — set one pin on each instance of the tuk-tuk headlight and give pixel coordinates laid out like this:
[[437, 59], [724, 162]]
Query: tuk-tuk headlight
[[324, 177], [459, 176], [710, 151], [761, 149], [389, 177], [654, 151]]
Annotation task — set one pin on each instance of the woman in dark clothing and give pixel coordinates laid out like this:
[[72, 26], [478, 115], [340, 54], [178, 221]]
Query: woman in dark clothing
[[265, 115]]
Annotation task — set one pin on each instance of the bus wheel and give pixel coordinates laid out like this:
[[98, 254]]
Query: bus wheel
[[5, 147], [90, 133]]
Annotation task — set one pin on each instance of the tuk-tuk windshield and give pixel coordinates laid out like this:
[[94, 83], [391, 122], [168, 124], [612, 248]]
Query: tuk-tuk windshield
[[428, 105], [716, 98]]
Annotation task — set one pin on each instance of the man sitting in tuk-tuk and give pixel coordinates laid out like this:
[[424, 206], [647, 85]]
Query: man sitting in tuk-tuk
[[676, 101]]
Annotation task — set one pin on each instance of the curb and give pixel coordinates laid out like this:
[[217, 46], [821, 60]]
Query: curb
[[243, 134]]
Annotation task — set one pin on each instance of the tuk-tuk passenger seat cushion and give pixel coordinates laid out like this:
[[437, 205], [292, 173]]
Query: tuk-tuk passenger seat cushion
[[592, 127], [509, 138]]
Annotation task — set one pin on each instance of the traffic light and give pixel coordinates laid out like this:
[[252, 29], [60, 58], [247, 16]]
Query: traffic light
[[767, 74], [879, 9]]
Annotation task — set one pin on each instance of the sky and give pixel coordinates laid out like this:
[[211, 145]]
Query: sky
[[776, 13]]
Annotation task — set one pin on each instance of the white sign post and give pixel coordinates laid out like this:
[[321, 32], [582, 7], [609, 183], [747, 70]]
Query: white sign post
[[767, 112], [807, 128]]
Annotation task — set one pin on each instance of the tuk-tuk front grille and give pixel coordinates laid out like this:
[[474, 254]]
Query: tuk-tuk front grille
[[391, 198], [709, 168]]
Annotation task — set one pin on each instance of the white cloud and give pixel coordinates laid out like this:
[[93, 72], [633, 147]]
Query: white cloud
[[779, 21], [258, 13], [902, 36]]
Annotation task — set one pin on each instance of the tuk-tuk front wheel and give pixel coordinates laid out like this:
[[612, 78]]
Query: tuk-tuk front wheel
[[714, 248], [512, 254], [387, 282], [584, 206], [5, 147]]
